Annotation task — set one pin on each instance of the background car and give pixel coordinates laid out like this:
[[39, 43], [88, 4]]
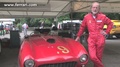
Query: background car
[[70, 29], [115, 30], [44, 50]]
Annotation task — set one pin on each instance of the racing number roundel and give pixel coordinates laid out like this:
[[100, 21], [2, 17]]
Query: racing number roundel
[[63, 49]]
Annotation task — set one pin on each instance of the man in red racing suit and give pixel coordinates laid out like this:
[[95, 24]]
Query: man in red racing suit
[[94, 22]]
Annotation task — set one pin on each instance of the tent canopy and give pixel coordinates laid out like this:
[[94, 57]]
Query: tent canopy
[[51, 8]]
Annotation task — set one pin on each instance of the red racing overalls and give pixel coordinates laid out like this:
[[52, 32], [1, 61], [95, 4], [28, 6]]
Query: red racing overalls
[[96, 40]]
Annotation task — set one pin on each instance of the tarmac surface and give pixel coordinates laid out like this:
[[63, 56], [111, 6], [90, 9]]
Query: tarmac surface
[[111, 55]]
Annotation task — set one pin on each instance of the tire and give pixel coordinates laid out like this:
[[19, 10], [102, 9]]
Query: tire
[[118, 36], [109, 36]]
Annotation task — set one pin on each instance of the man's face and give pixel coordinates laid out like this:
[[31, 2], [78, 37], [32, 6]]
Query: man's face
[[95, 8]]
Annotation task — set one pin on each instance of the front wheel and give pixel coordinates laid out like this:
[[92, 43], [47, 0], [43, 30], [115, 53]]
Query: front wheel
[[109, 36]]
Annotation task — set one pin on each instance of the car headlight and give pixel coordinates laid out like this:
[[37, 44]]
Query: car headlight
[[29, 63], [83, 58]]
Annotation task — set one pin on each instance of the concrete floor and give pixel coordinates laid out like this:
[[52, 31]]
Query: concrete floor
[[111, 56], [9, 55]]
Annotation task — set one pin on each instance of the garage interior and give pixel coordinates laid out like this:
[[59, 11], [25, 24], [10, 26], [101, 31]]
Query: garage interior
[[52, 8]]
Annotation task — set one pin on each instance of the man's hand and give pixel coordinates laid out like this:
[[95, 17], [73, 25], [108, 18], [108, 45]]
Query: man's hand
[[77, 38], [103, 33]]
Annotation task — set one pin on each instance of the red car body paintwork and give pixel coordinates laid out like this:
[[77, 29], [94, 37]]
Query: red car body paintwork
[[63, 50]]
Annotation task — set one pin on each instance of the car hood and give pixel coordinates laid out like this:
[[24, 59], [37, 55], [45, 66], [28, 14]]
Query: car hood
[[51, 48]]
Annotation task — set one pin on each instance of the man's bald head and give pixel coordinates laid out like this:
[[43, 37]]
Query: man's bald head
[[95, 8], [96, 3]]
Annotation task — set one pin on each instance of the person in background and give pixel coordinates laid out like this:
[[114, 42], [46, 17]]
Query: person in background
[[25, 27], [41, 25], [2, 29], [13, 28], [54, 29], [52, 25], [94, 22], [19, 26], [7, 28]]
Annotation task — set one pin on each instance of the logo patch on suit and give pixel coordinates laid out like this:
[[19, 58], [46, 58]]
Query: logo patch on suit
[[99, 21]]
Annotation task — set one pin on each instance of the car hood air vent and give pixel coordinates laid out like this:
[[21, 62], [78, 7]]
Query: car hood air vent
[[51, 40]]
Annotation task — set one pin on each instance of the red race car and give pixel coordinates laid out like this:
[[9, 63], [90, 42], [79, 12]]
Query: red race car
[[44, 50]]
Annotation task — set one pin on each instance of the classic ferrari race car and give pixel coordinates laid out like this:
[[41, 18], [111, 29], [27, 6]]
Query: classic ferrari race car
[[44, 50]]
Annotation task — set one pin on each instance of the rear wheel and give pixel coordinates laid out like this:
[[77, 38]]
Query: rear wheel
[[118, 36]]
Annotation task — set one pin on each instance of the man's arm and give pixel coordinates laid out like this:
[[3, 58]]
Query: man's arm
[[81, 29], [109, 24]]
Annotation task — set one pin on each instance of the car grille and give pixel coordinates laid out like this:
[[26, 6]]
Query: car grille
[[67, 64]]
